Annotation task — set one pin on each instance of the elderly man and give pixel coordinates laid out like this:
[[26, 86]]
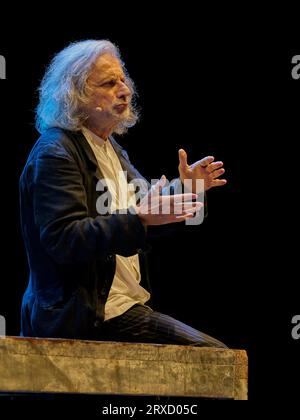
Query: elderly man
[[84, 254]]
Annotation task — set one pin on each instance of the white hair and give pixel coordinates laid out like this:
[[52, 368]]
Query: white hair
[[63, 87]]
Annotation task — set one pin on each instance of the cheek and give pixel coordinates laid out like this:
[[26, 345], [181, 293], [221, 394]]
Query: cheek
[[96, 98], [104, 100]]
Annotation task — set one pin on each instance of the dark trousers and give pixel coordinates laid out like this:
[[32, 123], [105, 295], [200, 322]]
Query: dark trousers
[[142, 324]]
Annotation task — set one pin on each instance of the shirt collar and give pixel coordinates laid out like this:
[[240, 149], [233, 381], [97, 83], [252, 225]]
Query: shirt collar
[[89, 135]]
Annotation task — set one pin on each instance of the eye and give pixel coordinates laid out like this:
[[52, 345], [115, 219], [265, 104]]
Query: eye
[[109, 83]]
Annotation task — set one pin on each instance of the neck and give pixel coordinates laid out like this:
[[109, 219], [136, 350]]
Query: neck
[[103, 132]]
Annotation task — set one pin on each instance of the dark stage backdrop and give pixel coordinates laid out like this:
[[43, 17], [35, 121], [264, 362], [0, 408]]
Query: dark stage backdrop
[[212, 85]]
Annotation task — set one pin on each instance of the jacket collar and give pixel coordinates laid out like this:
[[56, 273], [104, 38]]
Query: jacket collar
[[122, 155], [80, 140]]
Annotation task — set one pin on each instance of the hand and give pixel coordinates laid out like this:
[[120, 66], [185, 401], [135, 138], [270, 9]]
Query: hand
[[205, 169], [156, 209]]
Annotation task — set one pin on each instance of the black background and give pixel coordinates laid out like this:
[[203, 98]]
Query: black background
[[214, 82]]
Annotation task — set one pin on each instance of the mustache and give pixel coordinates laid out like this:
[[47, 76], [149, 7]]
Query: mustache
[[123, 103]]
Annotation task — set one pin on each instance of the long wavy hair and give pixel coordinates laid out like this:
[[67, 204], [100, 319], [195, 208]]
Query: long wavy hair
[[63, 89]]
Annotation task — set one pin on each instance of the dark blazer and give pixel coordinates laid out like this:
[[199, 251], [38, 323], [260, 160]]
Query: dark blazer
[[70, 247]]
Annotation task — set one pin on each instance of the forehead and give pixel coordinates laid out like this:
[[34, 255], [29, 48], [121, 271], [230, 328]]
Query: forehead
[[107, 64]]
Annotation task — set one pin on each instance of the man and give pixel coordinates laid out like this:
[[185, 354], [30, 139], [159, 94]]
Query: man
[[83, 253]]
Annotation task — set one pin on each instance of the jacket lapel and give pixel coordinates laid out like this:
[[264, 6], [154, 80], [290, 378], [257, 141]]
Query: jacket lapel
[[132, 173], [81, 141]]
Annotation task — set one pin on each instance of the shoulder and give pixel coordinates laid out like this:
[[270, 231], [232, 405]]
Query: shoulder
[[55, 147], [54, 142]]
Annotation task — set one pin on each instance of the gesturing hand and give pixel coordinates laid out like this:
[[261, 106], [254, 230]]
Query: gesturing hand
[[156, 209], [205, 169]]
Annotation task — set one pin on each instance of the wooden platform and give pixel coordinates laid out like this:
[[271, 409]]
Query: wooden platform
[[74, 366]]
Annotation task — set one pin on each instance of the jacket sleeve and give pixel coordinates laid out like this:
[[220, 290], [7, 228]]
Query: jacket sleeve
[[61, 215]]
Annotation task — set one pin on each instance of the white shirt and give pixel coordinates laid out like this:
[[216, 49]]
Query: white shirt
[[125, 290]]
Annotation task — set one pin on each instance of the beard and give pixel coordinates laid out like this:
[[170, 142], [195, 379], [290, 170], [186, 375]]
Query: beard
[[126, 119]]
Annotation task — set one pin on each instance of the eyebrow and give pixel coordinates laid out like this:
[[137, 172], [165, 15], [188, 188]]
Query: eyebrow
[[110, 76]]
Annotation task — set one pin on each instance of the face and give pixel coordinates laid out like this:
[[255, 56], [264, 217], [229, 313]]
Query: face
[[109, 95]]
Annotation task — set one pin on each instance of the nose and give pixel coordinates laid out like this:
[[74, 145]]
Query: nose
[[123, 91]]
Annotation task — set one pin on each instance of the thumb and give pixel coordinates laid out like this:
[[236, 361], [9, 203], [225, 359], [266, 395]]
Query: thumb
[[182, 159]]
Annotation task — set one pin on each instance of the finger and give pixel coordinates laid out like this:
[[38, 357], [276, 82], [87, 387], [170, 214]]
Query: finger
[[191, 211], [183, 217], [168, 205], [182, 159], [187, 207], [218, 182], [156, 189], [178, 198], [206, 161], [213, 166], [217, 173]]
